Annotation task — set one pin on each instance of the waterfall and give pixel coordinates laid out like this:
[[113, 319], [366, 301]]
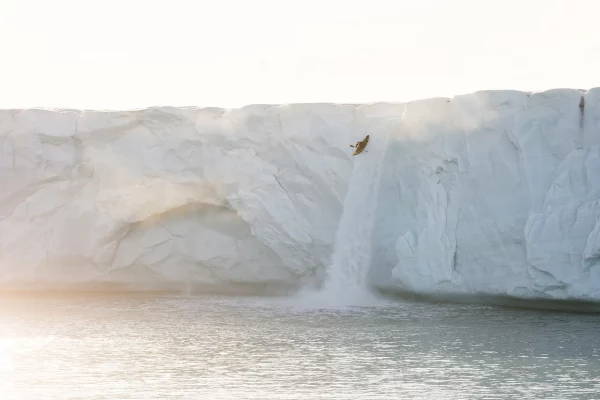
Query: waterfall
[[352, 250]]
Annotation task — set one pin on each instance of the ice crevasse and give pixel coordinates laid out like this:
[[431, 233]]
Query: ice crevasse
[[495, 192]]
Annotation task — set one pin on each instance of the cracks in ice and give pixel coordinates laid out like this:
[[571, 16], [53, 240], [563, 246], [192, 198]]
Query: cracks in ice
[[120, 235], [281, 186], [591, 262], [455, 260], [581, 112], [543, 273]]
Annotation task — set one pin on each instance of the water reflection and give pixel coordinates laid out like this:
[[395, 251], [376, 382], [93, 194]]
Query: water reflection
[[133, 347]]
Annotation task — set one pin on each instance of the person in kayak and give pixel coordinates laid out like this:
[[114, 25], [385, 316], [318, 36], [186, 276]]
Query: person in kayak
[[360, 146]]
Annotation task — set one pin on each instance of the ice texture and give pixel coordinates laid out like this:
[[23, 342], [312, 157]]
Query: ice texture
[[495, 192]]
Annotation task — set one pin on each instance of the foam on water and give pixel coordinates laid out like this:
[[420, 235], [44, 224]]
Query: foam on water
[[346, 281]]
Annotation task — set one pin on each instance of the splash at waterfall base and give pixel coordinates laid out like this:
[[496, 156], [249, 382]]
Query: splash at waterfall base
[[492, 193]]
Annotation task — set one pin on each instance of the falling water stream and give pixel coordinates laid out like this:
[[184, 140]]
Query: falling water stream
[[352, 250]]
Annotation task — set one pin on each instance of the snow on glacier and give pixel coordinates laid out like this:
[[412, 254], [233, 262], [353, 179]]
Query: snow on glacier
[[493, 192]]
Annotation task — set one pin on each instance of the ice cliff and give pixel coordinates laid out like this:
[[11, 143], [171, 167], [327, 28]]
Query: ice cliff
[[495, 192]]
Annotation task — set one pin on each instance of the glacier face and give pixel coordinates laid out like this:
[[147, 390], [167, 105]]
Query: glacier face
[[493, 192], [163, 198], [498, 196]]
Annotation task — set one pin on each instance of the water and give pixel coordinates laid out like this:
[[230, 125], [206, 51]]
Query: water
[[352, 249], [166, 347]]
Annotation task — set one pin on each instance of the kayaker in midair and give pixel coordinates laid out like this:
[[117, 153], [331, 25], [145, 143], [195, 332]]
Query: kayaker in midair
[[360, 146]]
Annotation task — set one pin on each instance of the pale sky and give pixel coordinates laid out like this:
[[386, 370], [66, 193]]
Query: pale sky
[[112, 54]]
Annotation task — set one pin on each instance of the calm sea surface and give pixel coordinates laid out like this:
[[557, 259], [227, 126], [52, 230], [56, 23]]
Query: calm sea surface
[[169, 347]]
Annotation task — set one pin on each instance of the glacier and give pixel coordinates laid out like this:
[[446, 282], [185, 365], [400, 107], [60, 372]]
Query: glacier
[[492, 192]]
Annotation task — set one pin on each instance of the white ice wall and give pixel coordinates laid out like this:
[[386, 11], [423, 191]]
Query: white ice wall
[[495, 193], [492, 192], [163, 197]]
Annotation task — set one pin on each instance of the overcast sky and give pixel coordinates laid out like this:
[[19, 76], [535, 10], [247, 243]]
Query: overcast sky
[[112, 54]]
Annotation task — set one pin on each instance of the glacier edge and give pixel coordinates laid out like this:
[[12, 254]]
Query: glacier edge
[[492, 192]]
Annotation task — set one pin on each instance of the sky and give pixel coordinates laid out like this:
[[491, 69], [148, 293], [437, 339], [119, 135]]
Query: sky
[[124, 54]]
